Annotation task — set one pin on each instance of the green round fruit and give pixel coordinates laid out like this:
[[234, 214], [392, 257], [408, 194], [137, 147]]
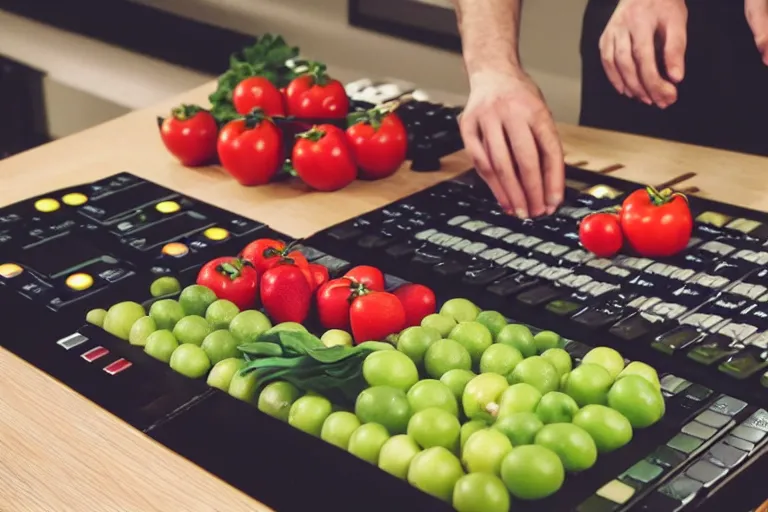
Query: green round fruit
[[444, 355], [161, 345], [386, 406], [308, 414], [609, 429], [435, 471], [484, 451], [546, 340], [493, 321], [141, 330], [195, 299], [221, 313], [519, 397], [457, 381], [390, 368], [637, 399], [645, 371], [336, 337], [606, 357], [222, 372], [441, 323], [501, 359], [467, 430], [220, 345], [482, 396], [560, 359], [473, 336], [96, 317], [538, 372], [556, 407], [192, 329], [366, 442], [396, 455], [432, 393], [287, 326], [165, 285], [461, 310], [435, 427], [532, 472], [480, 492], [248, 326], [121, 317], [190, 361], [244, 387], [414, 342], [518, 336], [574, 446], [276, 398], [520, 427], [338, 428], [589, 384], [165, 313]]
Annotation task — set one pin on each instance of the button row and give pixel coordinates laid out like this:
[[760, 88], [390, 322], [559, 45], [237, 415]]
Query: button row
[[94, 354]]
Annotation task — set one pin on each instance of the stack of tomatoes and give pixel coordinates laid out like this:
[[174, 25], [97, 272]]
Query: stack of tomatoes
[[277, 277], [652, 224], [329, 152]]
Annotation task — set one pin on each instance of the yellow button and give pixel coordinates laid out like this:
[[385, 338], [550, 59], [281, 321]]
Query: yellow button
[[617, 492], [74, 199], [168, 207], [9, 270], [47, 205], [216, 234], [79, 281], [175, 249]]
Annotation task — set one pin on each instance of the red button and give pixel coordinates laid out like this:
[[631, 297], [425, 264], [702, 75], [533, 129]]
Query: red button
[[118, 366], [94, 354]]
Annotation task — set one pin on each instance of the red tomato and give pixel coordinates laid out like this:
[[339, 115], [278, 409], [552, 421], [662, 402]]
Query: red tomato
[[190, 135], [656, 224], [374, 316], [258, 92], [231, 279], [320, 274], [315, 95], [266, 253], [600, 233], [251, 149], [370, 277], [323, 160], [378, 143], [333, 301], [286, 294], [418, 301]]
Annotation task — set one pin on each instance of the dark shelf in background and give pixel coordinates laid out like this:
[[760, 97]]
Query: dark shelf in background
[[23, 123]]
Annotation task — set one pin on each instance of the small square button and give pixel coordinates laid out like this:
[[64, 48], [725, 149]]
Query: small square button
[[728, 405], [94, 354], [72, 341], [644, 472], [705, 472], [726, 456], [685, 443], [750, 434], [758, 420], [699, 430], [698, 392], [713, 419], [118, 366], [739, 443], [673, 384]]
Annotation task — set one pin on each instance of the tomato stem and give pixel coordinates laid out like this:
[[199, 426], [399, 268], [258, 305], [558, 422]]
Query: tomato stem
[[663, 197], [184, 112], [232, 269], [255, 117], [314, 135], [317, 71]]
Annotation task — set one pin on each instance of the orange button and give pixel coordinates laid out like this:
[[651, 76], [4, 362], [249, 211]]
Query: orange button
[[9, 270], [175, 249], [79, 281]]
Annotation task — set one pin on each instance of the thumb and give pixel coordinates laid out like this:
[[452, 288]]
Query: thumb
[[757, 17], [675, 42]]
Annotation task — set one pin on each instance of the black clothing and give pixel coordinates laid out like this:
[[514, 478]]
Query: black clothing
[[722, 101]]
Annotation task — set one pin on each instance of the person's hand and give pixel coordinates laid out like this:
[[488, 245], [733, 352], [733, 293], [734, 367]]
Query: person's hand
[[628, 49], [757, 17], [511, 136]]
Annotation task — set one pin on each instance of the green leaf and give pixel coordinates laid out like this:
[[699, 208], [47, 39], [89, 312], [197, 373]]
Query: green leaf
[[261, 349]]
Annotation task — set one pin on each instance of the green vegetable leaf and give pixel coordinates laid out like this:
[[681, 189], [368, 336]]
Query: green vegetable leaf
[[261, 349]]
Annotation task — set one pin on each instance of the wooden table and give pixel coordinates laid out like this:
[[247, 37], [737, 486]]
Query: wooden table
[[59, 452]]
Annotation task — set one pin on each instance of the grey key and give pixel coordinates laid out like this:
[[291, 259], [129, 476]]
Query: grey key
[[728, 405], [699, 430], [758, 420], [726, 456], [713, 419], [706, 472], [72, 341], [740, 444], [673, 384], [750, 434], [682, 488]]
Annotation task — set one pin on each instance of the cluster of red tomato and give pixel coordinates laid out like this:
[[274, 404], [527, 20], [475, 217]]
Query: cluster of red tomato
[[253, 148], [652, 224], [280, 279]]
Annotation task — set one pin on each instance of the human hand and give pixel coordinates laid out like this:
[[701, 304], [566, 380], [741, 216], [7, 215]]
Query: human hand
[[757, 17], [511, 136], [628, 49]]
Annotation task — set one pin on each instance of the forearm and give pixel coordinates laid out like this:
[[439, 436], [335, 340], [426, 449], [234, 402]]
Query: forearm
[[489, 33]]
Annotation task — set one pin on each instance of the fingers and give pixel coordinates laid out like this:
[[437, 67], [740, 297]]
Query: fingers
[[625, 63], [675, 42], [526, 156], [552, 163], [757, 17], [608, 56], [470, 132], [661, 92], [501, 161]]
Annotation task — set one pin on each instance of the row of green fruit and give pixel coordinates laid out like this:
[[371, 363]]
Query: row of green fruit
[[469, 408]]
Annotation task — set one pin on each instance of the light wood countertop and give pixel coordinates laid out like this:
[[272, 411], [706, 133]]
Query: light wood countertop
[[61, 453]]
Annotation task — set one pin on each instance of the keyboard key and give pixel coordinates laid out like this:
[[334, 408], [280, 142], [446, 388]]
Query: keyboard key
[[758, 420], [726, 456], [597, 503], [685, 443], [739, 443], [728, 405], [658, 502], [644, 472], [749, 434], [705, 472], [696, 429], [698, 392], [673, 384], [682, 488], [713, 419], [667, 457]]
